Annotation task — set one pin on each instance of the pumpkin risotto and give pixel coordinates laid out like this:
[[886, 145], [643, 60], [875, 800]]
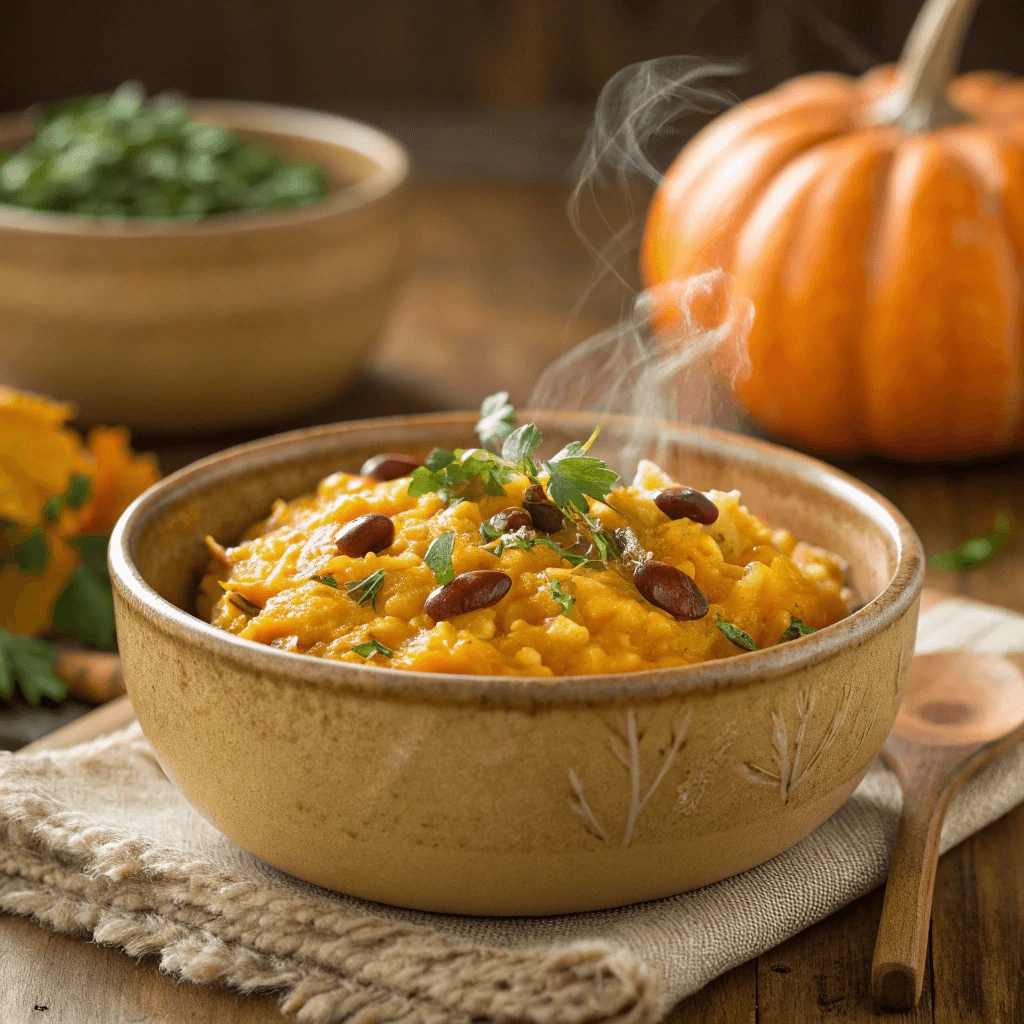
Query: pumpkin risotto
[[518, 569]]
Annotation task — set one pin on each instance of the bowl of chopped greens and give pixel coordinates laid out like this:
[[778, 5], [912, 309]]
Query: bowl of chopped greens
[[187, 266]]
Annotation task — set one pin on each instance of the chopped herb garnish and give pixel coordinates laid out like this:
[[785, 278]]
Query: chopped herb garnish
[[439, 558], [977, 550], [564, 600], [607, 546], [243, 603], [372, 647], [327, 579], [497, 419], [516, 540], [27, 663], [519, 448], [488, 533], [796, 628], [365, 591], [32, 554], [739, 637], [468, 474], [464, 473], [79, 489], [574, 475]]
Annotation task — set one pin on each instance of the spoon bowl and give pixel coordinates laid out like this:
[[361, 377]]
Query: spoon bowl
[[960, 710]]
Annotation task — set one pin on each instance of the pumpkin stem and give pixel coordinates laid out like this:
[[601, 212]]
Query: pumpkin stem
[[929, 59]]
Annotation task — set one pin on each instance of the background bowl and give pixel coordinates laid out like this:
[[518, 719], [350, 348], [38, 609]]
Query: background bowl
[[234, 321], [502, 795]]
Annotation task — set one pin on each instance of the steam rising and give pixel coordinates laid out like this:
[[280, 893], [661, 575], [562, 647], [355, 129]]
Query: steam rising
[[680, 347]]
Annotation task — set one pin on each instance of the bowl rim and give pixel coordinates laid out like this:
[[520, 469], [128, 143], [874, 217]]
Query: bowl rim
[[892, 603], [387, 153]]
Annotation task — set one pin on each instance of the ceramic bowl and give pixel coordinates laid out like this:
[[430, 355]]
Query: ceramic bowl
[[497, 795], [238, 320]]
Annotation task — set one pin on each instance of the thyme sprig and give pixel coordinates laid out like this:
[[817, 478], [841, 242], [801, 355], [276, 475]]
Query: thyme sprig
[[372, 647], [365, 591]]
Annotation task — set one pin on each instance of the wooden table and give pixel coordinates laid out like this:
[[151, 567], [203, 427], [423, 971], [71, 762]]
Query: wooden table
[[498, 272]]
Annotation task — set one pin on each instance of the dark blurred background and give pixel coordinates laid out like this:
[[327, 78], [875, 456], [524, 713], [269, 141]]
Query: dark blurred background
[[429, 68]]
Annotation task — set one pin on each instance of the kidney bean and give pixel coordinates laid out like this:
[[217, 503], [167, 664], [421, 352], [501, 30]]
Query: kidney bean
[[686, 503], [372, 532], [467, 593], [508, 520], [545, 514], [389, 466], [668, 588]]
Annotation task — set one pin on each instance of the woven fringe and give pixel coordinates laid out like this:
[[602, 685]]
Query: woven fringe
[[328, 964]]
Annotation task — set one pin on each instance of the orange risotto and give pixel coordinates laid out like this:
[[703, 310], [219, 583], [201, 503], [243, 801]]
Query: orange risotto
[[449, 579]]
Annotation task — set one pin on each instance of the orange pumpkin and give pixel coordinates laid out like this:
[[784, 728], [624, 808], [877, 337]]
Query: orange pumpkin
[[877, 225]]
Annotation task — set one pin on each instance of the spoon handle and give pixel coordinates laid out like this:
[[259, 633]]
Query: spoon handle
[[897, 971]]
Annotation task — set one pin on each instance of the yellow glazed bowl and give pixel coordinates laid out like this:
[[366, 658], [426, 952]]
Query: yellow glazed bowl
[[481, 795], [237, 320]]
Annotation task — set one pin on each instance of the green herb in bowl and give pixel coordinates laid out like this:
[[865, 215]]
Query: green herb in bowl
[[120, 155]]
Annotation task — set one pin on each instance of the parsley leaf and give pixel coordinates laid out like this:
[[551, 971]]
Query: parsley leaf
[[741, 638], [438, 459], [797, 627], [365, 591], [575, 474], [372, 647], [28, 664], [439, 558], [497, 419], [519, 448], [326, 579], [425, 481], [977, 550], [464, 473], [564, 600], [32, 554], [85, 608]]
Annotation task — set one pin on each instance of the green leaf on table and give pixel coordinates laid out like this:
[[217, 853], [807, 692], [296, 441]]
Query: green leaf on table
[[32, 554], [740, 637], [977, 550], [28, 664], [796, 628], [85, 609], [365, 591], [497, 419], [439, 558], [372, 647]]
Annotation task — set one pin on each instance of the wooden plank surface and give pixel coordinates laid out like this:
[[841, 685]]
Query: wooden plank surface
[[498, 274]]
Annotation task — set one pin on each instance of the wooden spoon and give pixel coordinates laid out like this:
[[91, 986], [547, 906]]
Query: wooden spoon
[[959, 711]]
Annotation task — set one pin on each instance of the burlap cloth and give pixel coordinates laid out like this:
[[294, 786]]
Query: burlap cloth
[[94, 840]]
